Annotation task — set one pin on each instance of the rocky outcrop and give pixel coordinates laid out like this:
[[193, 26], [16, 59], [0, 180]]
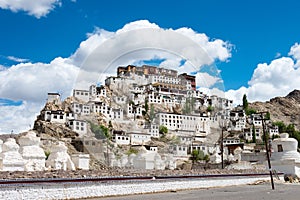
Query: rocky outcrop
[[285, 109], [54, 130]]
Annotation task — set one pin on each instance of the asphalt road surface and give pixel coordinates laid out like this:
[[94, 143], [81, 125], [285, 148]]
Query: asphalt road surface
[[283, 191]]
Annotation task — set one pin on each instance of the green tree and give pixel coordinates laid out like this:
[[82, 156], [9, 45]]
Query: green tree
[[210, 108], [281, 126], [245, 102], [267, 116], [100, 131], [163, 130], [152, 113], [146, 106], [250, 111], [195, 156]]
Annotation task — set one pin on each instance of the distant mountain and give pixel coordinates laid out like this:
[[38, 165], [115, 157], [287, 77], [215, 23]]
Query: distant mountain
[[286, 109]]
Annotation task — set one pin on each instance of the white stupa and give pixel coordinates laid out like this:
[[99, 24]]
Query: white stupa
[[285, 157], [10, 158], [1, 144], [59, 159], [31, 152]]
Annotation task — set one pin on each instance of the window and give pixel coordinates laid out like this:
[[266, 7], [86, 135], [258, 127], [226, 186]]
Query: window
[[279, 147]]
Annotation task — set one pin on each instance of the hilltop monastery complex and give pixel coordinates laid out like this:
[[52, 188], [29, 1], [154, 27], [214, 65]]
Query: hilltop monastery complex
[[155, 110]]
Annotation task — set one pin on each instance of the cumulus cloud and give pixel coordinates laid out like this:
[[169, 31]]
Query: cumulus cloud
[[31, 81], [18, 118], [277, 78], [206, 80], [295, 53], [37, 8], [142, 40], [98, 57]]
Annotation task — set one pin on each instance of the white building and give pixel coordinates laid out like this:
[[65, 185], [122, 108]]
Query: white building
[[117, 113], [57, 116], [79, 108], [120, 138], [238, 120], [248, 133], [81, 161], [274, 130], [138, 138], [154, 97], [54, 98], [205, 147], [134, 111], [153, 130], [83, 95], [221, 103], [196, 123], [121, 100], [179, 150], [79, 126], [231, 140]]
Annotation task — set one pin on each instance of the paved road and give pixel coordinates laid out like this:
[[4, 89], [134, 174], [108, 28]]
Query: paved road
[[245, 192]]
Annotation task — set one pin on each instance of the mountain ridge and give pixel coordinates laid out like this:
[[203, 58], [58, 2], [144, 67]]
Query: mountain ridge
[[285, 109]]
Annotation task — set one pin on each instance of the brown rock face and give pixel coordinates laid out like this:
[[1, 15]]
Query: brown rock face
[[286, 109]]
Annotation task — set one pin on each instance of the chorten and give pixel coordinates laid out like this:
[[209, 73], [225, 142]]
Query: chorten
[[31, 151], [10, 158], [285, 157]]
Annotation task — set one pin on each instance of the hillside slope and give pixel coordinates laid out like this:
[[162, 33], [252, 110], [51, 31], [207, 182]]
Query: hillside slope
[[286, 109]]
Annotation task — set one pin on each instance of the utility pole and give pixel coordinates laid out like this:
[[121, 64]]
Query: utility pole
[[223, 124], [222, 147], [267, 148]]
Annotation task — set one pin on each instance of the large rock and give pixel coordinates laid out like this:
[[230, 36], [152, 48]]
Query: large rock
[[10, 158], [31, 151]]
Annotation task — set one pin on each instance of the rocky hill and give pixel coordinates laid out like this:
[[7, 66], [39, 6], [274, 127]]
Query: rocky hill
[[285, 109]]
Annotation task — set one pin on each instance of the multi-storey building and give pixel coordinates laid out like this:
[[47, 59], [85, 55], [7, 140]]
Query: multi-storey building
[[197, 124], [83, 95], [80, 108], [79, 126], [238, 120]]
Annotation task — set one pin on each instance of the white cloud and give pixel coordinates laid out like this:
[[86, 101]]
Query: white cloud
[[98, 56], [31, 81], [142, 40], [37, 8], [207, 81], [295, 53], [16, 59], [18, 118], [2, 68], [278, 78]]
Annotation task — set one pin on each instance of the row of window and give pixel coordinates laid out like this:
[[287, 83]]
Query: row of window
[[82, 93]]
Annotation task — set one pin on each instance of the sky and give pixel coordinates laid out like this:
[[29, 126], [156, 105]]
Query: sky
[[239, 47]]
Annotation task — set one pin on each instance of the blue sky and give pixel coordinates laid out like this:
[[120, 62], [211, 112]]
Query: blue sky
[[263, 38]]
